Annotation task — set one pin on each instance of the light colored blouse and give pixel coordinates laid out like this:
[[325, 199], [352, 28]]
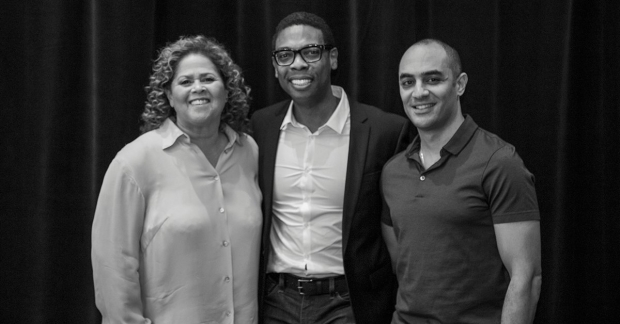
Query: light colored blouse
[[174, 239]]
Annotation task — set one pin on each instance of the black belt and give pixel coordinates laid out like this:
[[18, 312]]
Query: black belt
[[311, 286]]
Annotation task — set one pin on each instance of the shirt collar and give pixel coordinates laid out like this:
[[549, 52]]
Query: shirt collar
[[170, 133], [462, 136], [338, 119], [458, 141]]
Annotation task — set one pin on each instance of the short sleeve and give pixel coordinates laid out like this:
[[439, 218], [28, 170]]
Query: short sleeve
[[509, 187]]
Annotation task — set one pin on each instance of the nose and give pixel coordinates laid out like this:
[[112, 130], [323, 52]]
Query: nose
[[419, 91], [298, 62], [198, 86]]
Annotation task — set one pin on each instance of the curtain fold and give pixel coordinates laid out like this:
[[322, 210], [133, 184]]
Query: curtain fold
[[542, 75]]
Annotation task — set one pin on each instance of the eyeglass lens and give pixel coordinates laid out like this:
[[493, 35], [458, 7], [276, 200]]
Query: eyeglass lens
[[309, 54]]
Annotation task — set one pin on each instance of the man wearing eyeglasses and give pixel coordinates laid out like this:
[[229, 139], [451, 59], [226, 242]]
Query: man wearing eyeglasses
[[321, 156]]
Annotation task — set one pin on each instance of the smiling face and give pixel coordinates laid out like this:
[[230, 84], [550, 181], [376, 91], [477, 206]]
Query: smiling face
[[428, 88], [197, 93], [306, 83]]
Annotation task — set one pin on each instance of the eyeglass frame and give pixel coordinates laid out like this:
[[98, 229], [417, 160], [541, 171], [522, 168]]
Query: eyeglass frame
[[298, 52]]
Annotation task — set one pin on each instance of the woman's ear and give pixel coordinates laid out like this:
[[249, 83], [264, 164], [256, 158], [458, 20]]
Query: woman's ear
[[169, 96]]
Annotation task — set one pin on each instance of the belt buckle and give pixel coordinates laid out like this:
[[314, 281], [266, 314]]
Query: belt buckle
[[300, 287]]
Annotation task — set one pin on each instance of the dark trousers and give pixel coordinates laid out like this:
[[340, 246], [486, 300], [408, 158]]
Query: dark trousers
[[284, 304]]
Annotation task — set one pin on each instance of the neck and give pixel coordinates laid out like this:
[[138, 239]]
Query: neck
[[431, 141], [202, 134], [315, 114]]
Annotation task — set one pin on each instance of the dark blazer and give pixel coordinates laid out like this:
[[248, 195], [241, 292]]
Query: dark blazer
[[375, 137]]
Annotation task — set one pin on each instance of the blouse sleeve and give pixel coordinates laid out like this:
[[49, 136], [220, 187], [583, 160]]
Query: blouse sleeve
[[117, 227]]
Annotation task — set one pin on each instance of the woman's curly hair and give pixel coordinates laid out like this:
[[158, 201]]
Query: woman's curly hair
[[157, 107]]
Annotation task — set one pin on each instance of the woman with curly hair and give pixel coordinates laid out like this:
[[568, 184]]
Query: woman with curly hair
[[176, 233]]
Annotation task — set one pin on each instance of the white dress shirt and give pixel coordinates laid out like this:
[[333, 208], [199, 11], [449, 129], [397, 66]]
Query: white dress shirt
[[175, 239], [310, 173]]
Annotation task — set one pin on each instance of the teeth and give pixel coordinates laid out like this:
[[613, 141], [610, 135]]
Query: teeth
[[199, 101], [424, 106], [300, 82]]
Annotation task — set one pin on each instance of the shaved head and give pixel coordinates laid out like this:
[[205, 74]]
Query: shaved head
[[454, 60]]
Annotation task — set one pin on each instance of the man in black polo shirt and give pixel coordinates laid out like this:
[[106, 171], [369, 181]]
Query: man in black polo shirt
[[462, 223]]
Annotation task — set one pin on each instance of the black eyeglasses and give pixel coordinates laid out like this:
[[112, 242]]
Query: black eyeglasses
[[309, 53]]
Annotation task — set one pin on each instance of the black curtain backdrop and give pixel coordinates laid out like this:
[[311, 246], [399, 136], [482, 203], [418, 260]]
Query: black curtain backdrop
[[543, 75]]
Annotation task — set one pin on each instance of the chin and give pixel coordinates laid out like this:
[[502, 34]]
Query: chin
[[299, 95], [423, 123]]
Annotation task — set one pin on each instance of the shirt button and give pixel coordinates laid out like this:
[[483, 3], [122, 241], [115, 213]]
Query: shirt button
[[216, 178], [227, 279], [221, 210], [422, 178], [225, 243], [228, 313]]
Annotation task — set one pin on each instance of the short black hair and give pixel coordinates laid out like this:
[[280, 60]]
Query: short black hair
[[305, 18], [453, 56]]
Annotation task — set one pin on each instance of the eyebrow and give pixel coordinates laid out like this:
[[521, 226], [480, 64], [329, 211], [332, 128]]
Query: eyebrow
[[192, 75], [288, 48], [427, 73]]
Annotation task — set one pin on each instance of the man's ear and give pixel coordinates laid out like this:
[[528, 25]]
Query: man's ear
[[461, 83], [275, 67], [333, 58]]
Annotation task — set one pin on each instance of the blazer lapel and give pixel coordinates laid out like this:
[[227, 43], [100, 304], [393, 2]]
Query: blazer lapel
[[270, 149], [358, 148]]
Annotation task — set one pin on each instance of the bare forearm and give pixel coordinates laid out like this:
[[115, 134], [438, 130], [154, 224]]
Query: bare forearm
[[521, 300]]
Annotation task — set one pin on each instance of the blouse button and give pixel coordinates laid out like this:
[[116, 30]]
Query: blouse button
[[228, 313], [225, 243], [216, 178], [422, 178], [227, 279], [221, 210]]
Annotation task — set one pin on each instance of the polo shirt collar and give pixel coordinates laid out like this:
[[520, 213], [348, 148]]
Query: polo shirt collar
[[458, 141], [338, 119], [170, 133], [462, 136]]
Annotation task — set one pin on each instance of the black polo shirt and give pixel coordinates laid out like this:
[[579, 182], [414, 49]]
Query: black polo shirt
[[448, 268]]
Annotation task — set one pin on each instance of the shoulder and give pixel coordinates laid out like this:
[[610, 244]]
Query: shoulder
[[508, 184], [247, 142], [245, 151], [373, 112], [388, 132], [267, 118], [131, 163], [396, 161], [270, 110], [384, 127], [499, 155], [140, 150], [491, 145], [377, 116]]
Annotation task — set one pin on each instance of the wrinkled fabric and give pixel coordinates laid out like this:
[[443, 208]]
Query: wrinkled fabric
[[174, 239]]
